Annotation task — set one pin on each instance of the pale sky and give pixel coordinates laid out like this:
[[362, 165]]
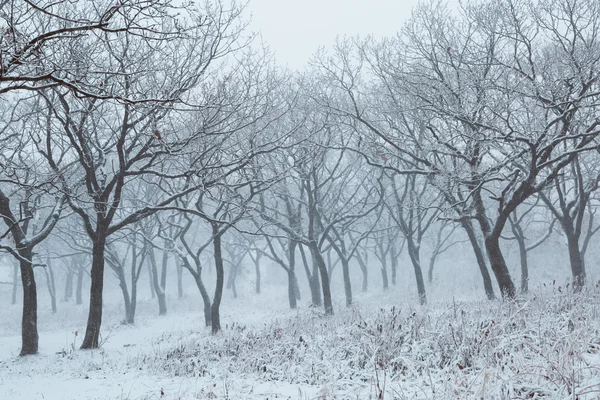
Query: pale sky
[[295, 29]]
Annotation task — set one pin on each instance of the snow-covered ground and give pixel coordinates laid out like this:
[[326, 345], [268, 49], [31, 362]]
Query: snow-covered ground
[[545, 345]]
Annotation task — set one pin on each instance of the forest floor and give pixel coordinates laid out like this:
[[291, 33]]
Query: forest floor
[[545, 345]]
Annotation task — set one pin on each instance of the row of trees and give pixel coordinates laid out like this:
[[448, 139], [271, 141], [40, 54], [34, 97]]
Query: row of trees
[[154, 127]]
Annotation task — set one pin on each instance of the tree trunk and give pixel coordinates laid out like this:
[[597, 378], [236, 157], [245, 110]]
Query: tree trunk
[[292, 298], [430, 269], [179, 281], [163, 270], [205, 299], [576, 261], [29, 331], [293, 291], [347, 284], [413, 252], [160, 294], [68, 295], [132, 305], [313, 280], [364, 270], [394, 258], [51, 285], [480, 257], [151, 283], [15, 282], [384, 274], [79, 287], [498, 265], [92, 332], [324, 278], [524, 266], [216, 303], [257, 270], [231, 278], [129, 317]]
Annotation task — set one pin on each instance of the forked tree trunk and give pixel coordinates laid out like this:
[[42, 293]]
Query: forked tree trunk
[[160, 294], [342, 256], [413, 253], [492, 246], [480, 257], [205, 299], [129, 317], [197, 274], [320, 261], [499, 267]]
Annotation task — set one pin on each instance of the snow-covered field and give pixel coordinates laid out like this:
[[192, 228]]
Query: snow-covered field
[[545, 345]]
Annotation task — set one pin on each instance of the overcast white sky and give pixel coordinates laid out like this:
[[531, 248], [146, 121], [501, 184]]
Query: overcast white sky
[[295, 29]]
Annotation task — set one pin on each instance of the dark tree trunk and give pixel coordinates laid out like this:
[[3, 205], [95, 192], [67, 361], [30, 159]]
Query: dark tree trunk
[[160, 294], [292, 297], [413, 253], [15, 284], [68, 295], [499, 267], [523, 257], [492, 246], [320, 261], [29, 331], [293, 291], [92, 332], [576, 261], [79, 287], [480, 257], [216, 303]]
